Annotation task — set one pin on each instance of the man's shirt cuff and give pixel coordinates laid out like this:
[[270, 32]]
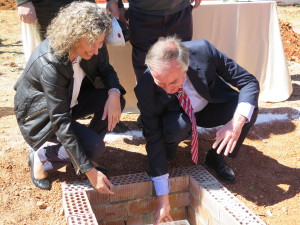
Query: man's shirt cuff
[[245, 109], [161, 184]]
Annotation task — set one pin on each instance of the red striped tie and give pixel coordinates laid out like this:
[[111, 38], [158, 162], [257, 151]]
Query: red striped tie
[[187, 107]]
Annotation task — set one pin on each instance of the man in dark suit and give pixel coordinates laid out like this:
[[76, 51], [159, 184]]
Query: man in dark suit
[[207, 76]]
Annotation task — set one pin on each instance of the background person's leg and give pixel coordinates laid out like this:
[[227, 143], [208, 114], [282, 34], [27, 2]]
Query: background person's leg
[[46, 10], [146, 29]]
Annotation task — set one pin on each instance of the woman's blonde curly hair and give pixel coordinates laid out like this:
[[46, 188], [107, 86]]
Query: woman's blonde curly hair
[[77, 20]]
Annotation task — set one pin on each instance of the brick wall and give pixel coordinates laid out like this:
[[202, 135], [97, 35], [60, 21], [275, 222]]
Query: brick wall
[[195, 195]]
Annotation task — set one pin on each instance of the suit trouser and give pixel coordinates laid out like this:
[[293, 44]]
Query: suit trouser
[[177, 125], [90, 138], [46, 11], [146, 29]]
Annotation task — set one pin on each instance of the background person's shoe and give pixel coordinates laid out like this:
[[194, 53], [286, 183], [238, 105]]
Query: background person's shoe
[[217, 162], [42, 183]]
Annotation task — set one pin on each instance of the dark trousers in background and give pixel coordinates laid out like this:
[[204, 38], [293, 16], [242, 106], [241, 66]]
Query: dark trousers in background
[[90, 102], [46, 10], [177, 125], [146, 29]]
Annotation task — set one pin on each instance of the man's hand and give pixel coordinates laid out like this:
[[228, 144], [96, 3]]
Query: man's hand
[[112, 8], [27, 13], [228, 134], [112, 110], [197, 3], [163, 212], [99, 181]]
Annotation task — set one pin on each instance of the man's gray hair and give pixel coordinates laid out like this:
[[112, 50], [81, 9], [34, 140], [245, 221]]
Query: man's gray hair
[[75, 21], [166, 50]]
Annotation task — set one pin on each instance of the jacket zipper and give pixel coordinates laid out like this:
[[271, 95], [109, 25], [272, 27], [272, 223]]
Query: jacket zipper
[[78, 169], [35, 114]]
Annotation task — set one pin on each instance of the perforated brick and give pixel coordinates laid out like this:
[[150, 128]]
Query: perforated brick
[[129, 179], [220, 202], [208, 201], [76, 204], [77, 186], [130, 186], [179, 180], [82, 220]]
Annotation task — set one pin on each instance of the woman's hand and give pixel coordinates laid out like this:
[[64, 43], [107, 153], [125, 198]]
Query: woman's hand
[[112, 109], [99, 181], [27, 13]]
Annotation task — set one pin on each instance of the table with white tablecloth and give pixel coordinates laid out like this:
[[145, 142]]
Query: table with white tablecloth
[[247, 32]]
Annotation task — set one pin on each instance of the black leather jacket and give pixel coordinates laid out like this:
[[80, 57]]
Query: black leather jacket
[[43, 97]]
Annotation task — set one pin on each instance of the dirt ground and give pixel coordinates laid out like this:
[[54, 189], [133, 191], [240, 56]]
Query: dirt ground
[[267, 168]]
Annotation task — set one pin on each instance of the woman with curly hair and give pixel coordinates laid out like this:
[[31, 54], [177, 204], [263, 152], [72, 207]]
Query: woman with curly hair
[[68, 77]]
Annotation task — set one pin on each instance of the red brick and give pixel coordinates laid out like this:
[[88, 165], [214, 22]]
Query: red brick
[[180, 183], [125, 187], [199, 210], [137, 220], [195, 188], [192, 217], [179, 180], [96, 198], [178, 213], [131, 191], [142, 206], [113, 222], [110, 211], [179, 199]]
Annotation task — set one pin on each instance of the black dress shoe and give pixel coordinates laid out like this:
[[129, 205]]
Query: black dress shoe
[[42, 183], [217, 163]]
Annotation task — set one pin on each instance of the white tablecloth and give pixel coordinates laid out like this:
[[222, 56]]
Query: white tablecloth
[[248, 32]]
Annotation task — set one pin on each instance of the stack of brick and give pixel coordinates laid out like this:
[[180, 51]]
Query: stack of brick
[[195, 195]]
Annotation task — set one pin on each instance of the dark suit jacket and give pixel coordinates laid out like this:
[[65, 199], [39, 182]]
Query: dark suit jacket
[[210, 72]]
